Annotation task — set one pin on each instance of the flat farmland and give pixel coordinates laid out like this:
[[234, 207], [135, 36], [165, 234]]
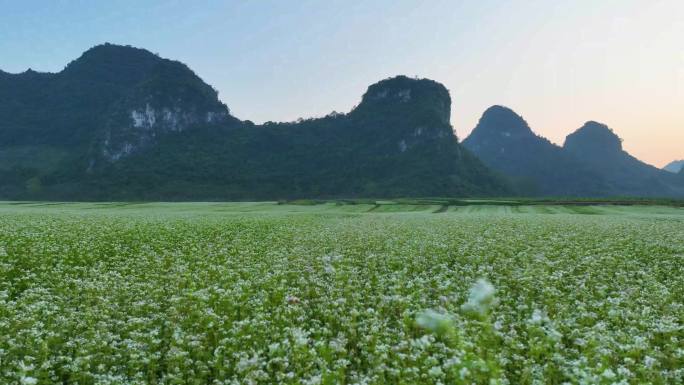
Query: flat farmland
[[330, 293]]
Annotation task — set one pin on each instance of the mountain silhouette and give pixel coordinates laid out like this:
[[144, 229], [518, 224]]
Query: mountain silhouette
[[121, 123], [674, 166], [598, 147], [590, 163], [504, 141]]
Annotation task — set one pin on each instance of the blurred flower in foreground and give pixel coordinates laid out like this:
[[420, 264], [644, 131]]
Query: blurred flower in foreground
[[480, 299], [435, 322], [28, 381]]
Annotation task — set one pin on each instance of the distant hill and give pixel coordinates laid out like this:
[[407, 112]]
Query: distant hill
[[590, 163], [599, 147], [505, 142], [674, 166], [121, 123]]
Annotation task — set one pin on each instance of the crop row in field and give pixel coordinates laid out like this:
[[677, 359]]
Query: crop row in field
[[336, 207]]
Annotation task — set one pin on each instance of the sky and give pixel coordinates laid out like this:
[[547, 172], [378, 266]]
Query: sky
[[556, 63]]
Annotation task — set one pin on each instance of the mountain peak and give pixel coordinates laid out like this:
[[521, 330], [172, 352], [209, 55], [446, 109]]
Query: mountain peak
[[114, 63], [593, 137], [501, 121], [117, 99], [400, 88], [675, 166], [423, 98], [116, 52], [505, 142]]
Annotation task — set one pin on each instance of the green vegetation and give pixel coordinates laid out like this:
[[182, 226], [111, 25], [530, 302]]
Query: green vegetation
[[354, 292], [358, 154], [121, 123]]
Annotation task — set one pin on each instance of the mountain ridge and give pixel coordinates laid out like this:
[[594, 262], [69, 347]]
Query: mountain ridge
[[591, 161], [122, 123], [599, 147], [360, 153], [127, 124], [503, 140], [675, 166]]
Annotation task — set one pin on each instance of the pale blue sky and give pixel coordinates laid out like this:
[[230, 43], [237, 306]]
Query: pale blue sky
[[556, 63]]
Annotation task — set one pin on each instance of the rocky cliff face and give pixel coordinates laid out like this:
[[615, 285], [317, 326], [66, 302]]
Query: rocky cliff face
[[165, 104], [169, 98], [149, 122]]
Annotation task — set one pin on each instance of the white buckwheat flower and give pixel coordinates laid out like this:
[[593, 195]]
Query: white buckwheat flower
[[481, 298], [435, 322], [29, 381]]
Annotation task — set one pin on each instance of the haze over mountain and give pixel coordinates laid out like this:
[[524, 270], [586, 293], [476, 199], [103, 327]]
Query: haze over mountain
[[590, 163], [505, 142], [597, 146], [123, 123], [674, 166]]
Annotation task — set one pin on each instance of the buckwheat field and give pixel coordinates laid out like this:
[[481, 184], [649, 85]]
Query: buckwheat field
[[337, 294]]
